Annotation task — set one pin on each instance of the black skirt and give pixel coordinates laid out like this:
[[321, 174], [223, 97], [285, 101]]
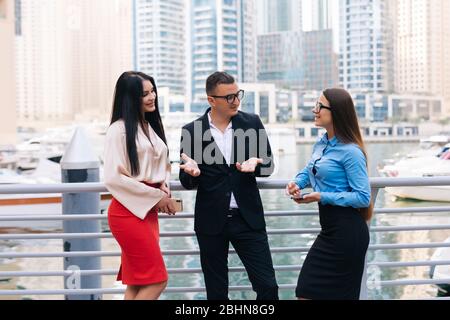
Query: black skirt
[[334, 265]]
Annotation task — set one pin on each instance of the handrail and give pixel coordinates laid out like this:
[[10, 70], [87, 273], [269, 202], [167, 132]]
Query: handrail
[[60, 235], [185, 215], [176, 185], [388, 283], [10, 255], [199, 270], [64, 188]]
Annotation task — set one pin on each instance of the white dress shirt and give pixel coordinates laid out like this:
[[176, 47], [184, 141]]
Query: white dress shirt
[[224, 141], [154, 167]]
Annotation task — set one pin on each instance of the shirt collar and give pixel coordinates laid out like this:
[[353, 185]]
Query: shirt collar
[[333, 142], [213, 126]]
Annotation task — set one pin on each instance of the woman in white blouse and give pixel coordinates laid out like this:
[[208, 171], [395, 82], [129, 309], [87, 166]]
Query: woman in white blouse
[[137, 173]]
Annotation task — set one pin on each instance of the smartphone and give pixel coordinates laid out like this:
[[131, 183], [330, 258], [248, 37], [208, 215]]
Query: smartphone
[[178, 204], [301, 196]]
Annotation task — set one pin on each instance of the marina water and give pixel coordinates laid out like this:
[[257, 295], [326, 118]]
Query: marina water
[[287, 166]]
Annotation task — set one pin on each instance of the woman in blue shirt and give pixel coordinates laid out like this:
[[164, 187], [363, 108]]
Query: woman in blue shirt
[[337, 172]]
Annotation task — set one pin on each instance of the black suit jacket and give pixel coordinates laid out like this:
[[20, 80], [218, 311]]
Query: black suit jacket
[[218, 179]]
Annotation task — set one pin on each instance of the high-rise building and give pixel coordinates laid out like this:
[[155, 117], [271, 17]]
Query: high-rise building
[[69, 55], [423, 48], [320, 61], [41, 77], [280, 43], [249, 27], [100, 41], [280, 15], [321, 17], [160, 42], [222, 38], [366, 45], [7, 90], [280, 59]]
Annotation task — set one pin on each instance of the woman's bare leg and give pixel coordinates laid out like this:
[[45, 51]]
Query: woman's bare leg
[[131, 292], [151, 292]]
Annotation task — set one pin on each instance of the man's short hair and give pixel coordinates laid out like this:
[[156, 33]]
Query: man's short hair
[[217, 78]]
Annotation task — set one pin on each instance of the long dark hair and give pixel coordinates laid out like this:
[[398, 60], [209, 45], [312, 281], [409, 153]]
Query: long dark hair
[[127, 107], [346, 127]]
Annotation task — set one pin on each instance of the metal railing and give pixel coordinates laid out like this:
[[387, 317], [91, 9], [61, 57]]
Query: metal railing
[[71, 188]]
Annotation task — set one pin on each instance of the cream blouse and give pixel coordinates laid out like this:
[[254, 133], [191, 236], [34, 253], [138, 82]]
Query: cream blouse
[[153, 164]]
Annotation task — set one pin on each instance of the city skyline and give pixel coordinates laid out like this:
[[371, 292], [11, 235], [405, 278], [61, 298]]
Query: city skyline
[[75, 50]]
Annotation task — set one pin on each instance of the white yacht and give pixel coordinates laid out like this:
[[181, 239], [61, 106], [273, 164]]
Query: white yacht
[[422, 164], [8, 176]]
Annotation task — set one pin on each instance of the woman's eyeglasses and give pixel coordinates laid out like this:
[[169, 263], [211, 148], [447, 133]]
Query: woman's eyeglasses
[[319, 106], [232, 97]]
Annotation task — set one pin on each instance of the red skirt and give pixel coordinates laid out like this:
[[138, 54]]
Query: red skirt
[[142, 262]]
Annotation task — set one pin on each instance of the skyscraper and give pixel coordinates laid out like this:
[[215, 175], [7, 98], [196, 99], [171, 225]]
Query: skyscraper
[[249, 28], [41, 77], [423, 47], [160, 41], [366, 45], [280, 15], [222, 38], [7, 90], [319, 60], [321, 18], [280, 59], [104, 28], [69, 56]]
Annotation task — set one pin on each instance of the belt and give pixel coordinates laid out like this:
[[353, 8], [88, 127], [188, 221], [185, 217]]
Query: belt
[[232, 212]]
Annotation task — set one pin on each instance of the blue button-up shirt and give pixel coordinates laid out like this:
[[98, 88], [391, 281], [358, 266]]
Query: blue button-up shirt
[[340, 174]]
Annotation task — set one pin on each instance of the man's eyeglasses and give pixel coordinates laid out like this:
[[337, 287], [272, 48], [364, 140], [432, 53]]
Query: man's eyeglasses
[[232, 97], [319, 106]]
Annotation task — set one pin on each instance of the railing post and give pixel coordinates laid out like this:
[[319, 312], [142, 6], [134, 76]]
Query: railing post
[[80, 164], [363, 295]]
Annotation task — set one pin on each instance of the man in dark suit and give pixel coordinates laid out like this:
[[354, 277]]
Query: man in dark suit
[[223, 152]]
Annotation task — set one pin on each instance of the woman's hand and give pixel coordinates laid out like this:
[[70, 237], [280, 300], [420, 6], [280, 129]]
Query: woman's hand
[[165, 205], [189, 166], [309, 198], [165, 188], [293, 190]]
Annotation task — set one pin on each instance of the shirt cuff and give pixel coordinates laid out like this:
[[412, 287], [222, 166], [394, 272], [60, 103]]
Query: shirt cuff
[[326, 198], [300, 184]]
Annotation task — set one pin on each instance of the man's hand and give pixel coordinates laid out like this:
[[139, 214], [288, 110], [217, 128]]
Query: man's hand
[[189, 166], [249, 165]]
